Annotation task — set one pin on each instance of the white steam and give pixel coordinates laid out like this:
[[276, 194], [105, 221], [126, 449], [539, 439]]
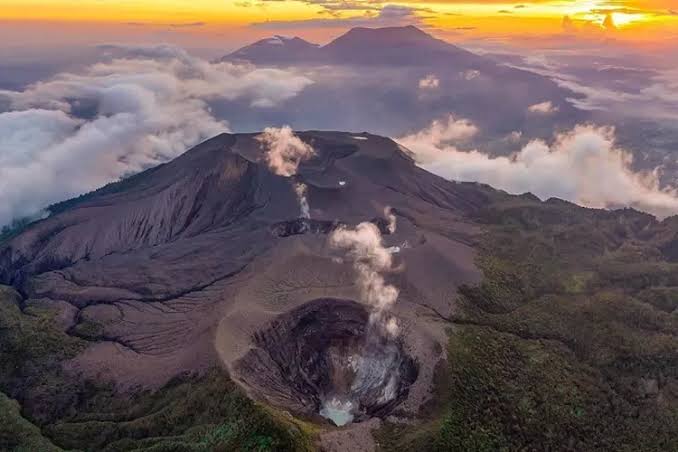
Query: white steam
[[390, 216], [301, 190], [583, 165], [371, 260], [340, 411], [76, 132], [284, 150]]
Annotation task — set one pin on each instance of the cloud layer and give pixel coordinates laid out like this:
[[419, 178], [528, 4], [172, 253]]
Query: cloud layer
[[583, 165], [384, 16], [76, 132]]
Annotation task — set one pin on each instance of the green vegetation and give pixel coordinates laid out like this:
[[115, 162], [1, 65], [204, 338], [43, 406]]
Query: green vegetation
[[569, 343], [13, 229], [193, 413], [18, 434], [31, 349]]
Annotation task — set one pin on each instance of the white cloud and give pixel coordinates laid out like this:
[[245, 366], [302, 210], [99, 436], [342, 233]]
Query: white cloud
[[76, 132], [544, 108], [379, 16], [429, 82], [470, 74], [583, 166], [514, 137], [442, 131]]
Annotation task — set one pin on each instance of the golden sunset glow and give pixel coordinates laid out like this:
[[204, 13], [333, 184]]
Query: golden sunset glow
[[623, 19], [632, 19]]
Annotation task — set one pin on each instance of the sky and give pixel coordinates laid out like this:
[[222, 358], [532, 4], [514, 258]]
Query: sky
[[208, 23], [92, 91]]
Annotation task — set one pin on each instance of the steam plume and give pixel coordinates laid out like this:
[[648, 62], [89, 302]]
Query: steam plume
[[370, 260], [388, 213], [284, 150], [300, 189]]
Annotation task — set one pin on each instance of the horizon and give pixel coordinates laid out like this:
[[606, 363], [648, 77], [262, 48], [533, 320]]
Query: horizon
[[206, 23]]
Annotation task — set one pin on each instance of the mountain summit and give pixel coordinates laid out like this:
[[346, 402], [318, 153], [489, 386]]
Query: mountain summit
[[277, 49], [389, 45]]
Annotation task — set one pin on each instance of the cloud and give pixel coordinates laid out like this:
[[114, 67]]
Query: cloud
[[663, 88], [657, 99], [429, 82], [284, 150], [514, 137], [188, 25], [543, 108], [470, 74], [583, 166], [76, 132], [387, 16], [444, 131]]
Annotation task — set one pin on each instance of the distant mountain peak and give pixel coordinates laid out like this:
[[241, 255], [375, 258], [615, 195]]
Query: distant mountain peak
[[404, 31], [405, 45], [276, 49], [393, 45], [408, 33]]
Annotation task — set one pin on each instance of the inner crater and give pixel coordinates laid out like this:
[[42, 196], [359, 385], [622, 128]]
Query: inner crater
[[325, 359]]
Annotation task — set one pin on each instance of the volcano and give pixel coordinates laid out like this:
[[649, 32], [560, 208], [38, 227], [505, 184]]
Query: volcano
[[200, 261], [203, 266]]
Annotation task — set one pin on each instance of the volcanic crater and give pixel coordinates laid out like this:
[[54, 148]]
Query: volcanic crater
[[327, 357]]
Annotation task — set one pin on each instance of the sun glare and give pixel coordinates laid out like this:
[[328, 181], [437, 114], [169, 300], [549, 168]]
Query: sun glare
[[623, 19]]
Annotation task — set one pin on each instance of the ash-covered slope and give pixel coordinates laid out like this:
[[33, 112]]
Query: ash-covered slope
[[150, 270], [223, 185]]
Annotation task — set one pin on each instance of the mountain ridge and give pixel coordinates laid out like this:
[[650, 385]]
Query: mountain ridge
[[348, 47]]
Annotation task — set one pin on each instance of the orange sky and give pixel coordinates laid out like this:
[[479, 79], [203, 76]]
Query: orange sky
[[642, 21]]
